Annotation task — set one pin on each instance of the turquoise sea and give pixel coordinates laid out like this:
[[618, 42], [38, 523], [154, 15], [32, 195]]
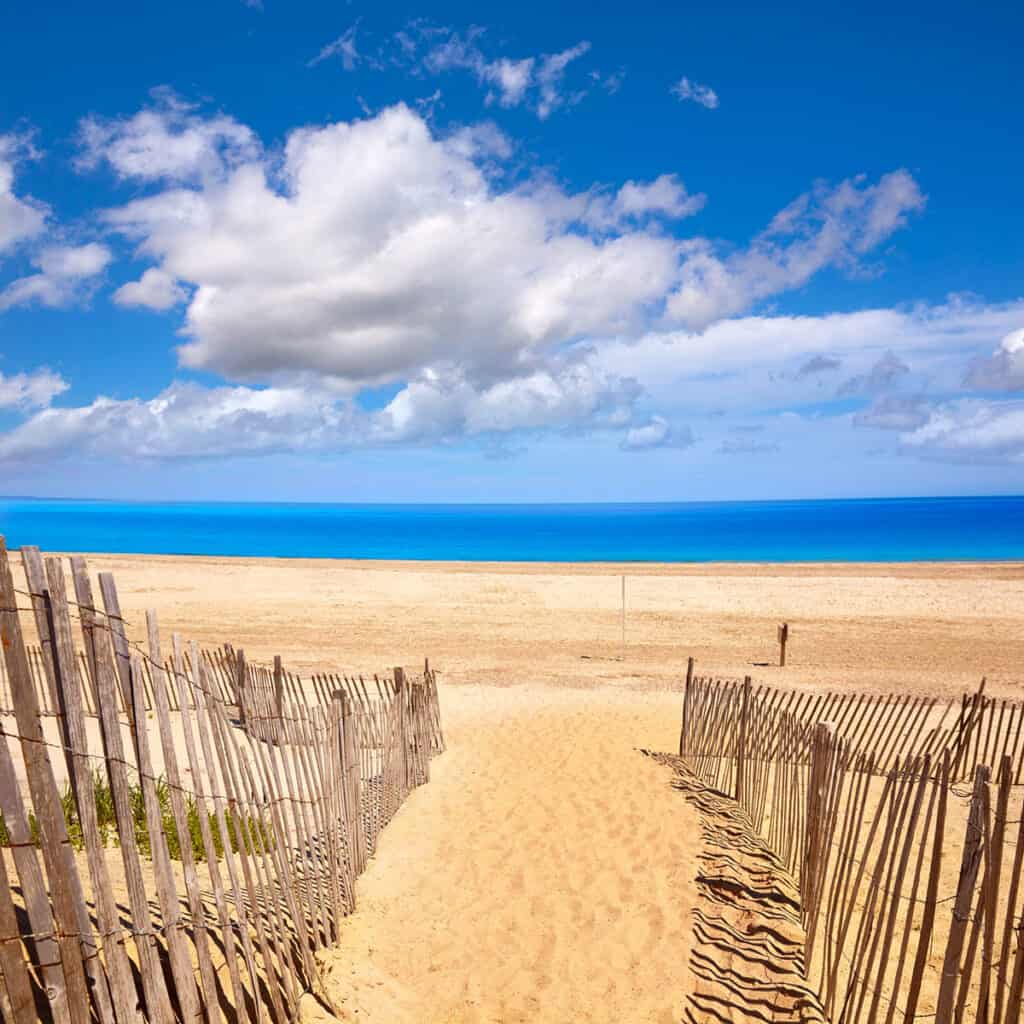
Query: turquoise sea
[[904, 529]]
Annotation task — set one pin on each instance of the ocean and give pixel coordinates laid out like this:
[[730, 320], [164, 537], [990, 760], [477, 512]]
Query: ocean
[[864, 530]]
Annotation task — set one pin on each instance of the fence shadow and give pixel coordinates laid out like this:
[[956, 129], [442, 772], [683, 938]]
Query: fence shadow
[[747, 954]]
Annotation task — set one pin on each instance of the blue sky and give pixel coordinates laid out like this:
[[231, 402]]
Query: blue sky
[[335, 252]]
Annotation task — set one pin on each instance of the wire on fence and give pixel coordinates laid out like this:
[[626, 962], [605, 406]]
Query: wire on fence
[[241, 852]]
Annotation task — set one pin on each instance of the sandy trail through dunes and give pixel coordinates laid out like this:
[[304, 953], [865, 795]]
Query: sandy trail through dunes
[[543, 875]]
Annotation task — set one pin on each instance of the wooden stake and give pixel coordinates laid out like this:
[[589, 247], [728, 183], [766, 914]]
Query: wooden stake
[[685, 730], [783, 638]]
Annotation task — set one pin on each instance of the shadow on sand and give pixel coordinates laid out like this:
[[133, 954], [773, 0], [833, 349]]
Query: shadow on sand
[[747, 953]]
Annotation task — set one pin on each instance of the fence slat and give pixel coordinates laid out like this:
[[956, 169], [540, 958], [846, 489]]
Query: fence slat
[[77, 946], [122, 983]]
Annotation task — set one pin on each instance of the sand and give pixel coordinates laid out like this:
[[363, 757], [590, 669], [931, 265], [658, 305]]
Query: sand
[[921, 628], [549, 870]]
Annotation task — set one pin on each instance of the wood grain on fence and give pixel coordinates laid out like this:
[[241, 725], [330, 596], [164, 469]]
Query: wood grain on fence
[[215, 815], [910, 894]]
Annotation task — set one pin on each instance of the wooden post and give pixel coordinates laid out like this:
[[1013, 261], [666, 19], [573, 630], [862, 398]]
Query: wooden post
[[401, 697], [76, 942], [353, 784], [685, 730], [239, 656], [817, 833], [741, 745], [279, 692], [969, 866], [783, 637]]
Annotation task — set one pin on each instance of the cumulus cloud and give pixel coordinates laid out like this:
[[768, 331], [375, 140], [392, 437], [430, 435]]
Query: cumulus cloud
[[166, 142], [21, 217], [185, 420], [66, 274], [441, 404], [375, 249], [380, 250], [694, 92], [156, 289], [822, 228], [190, 421], [34, 390], [1003, 370], [971, 429]]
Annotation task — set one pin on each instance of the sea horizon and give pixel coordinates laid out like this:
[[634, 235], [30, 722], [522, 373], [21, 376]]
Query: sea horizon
[[874, 529]]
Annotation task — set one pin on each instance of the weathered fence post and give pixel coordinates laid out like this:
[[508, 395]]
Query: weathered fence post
[[353, 787], [279, 696], [965, 891], [783, 638], [684, 732], [741, 745], [816, 831], [401, 695], [239, 657]]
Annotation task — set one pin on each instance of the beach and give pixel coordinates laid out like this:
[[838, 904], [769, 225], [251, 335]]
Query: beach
[[916, 627], [548, 870]]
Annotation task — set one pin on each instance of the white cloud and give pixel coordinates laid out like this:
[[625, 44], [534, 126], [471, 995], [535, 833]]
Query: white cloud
[[156, 289], [825, 227], [535, 81], [67, 274], [343, 47], [756, 361], [666, 195], [443, 404], [21, 217], [970, 429], [184, 421], [189, 421], [550, 72], [374, 250], [34, 390], [656, 432], [167, 142], [383, 251], [1003, 370], [703, 95]]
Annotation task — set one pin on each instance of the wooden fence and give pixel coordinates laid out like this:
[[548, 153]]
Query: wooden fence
[[181, 830], [909, 878]]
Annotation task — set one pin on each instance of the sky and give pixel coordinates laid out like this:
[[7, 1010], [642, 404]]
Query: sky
[[355, 252]]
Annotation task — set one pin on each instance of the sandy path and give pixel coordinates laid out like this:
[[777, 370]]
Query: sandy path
[[543, 875]]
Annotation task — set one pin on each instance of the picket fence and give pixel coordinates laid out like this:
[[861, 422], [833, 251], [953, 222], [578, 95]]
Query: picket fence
[[909, 879], [182, 832]]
